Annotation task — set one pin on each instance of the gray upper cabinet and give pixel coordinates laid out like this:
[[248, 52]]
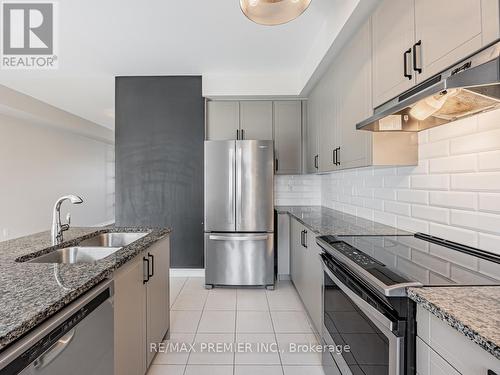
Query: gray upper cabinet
[[441, 37], [288, 136], [393, 25], [223, 120], [279, 120], [256, 120], [311, 161], [354, 103], [341, 98], [415, 39]]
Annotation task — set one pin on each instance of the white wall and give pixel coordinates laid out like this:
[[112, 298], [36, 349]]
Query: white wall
[[454, 192], [38, 164]]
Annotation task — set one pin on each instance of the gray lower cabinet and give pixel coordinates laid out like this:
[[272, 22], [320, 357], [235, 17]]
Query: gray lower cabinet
[[306, 270], [157, 296], [141, 304], [288, 136]]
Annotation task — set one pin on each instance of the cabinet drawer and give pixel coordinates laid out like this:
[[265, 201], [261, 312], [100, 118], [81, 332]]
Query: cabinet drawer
[[431, 363], [465, 356]]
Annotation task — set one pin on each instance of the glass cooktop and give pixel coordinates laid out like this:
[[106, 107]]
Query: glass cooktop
[[394, 260]]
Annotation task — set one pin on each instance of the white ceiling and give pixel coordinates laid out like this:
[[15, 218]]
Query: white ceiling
[[102, 39]]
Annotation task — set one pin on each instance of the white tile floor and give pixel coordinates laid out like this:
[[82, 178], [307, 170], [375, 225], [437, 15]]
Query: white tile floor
[[250, 316]]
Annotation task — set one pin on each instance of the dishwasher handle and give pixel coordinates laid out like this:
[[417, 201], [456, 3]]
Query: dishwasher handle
[[54, 351]]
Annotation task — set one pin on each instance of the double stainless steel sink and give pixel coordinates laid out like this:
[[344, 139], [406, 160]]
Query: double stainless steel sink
[[91, 249]]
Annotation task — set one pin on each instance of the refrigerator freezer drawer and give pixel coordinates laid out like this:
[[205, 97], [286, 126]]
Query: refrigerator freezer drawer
[[239, 259]]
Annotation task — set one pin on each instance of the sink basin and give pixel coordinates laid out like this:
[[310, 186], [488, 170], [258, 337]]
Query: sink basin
[[76, 254], [113, 239]]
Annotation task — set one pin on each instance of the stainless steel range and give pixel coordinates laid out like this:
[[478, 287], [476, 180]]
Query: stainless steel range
[[365, 303], [239, 216]]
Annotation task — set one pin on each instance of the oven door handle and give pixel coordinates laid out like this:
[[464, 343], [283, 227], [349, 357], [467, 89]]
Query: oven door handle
[[361, 304], [396, 343]]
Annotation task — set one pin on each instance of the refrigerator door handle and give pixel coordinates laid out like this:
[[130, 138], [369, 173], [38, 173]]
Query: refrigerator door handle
[[239, 238], [230, 206], [239, 186]]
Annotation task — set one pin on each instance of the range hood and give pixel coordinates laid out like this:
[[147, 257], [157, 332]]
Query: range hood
[[469, 87]]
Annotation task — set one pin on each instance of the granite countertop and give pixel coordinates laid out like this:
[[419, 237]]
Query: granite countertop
[[31, 292], [325, 221], [472, 311]]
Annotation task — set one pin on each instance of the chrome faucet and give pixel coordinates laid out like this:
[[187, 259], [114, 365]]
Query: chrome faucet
[[57, 227]]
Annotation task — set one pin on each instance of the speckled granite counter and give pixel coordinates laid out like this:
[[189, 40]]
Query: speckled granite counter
[[30, 292], [323, 220], [472, 311]]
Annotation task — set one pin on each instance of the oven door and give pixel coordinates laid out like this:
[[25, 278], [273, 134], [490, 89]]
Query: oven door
[[361, 334]]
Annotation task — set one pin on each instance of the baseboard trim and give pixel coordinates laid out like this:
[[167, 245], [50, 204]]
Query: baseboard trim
[[187, 272]]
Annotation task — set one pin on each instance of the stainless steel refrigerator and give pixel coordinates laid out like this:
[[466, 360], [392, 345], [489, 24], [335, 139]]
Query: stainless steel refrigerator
[[239, 213]]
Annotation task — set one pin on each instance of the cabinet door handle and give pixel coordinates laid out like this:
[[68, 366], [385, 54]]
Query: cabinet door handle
[[305, 239], [302, 238], [237, 134], [242, 134], [152, 257], [334, 154], [337, 157], [146, 274], [276, 164], [316, 162], [417, 57], [405, 63]]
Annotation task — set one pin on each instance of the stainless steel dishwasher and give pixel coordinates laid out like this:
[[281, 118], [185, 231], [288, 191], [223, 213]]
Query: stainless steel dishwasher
[[78, 340]]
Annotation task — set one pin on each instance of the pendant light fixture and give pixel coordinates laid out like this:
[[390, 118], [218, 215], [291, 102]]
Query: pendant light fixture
[[273, 12]]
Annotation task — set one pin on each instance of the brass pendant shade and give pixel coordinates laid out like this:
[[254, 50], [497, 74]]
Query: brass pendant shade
[[273, 12]]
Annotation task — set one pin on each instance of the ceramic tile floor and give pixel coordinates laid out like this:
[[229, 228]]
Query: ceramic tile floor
[[250, 316]]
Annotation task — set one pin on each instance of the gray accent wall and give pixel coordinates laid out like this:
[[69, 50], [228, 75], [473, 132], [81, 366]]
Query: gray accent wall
[[159, 160]]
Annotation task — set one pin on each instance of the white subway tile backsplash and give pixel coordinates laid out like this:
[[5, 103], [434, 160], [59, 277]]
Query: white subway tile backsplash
[[434, 150], [412, 225], [413, 196], [466, 201], [430, 182], [397, 208], [460, 235], [489, 120], [397, 182], [385, 218], [383, 193], [436, 214], [489, 242], [489, 202], [476, 221], [476, 182], [489, 161], [453, 130], [479, 142], [454, 164]]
